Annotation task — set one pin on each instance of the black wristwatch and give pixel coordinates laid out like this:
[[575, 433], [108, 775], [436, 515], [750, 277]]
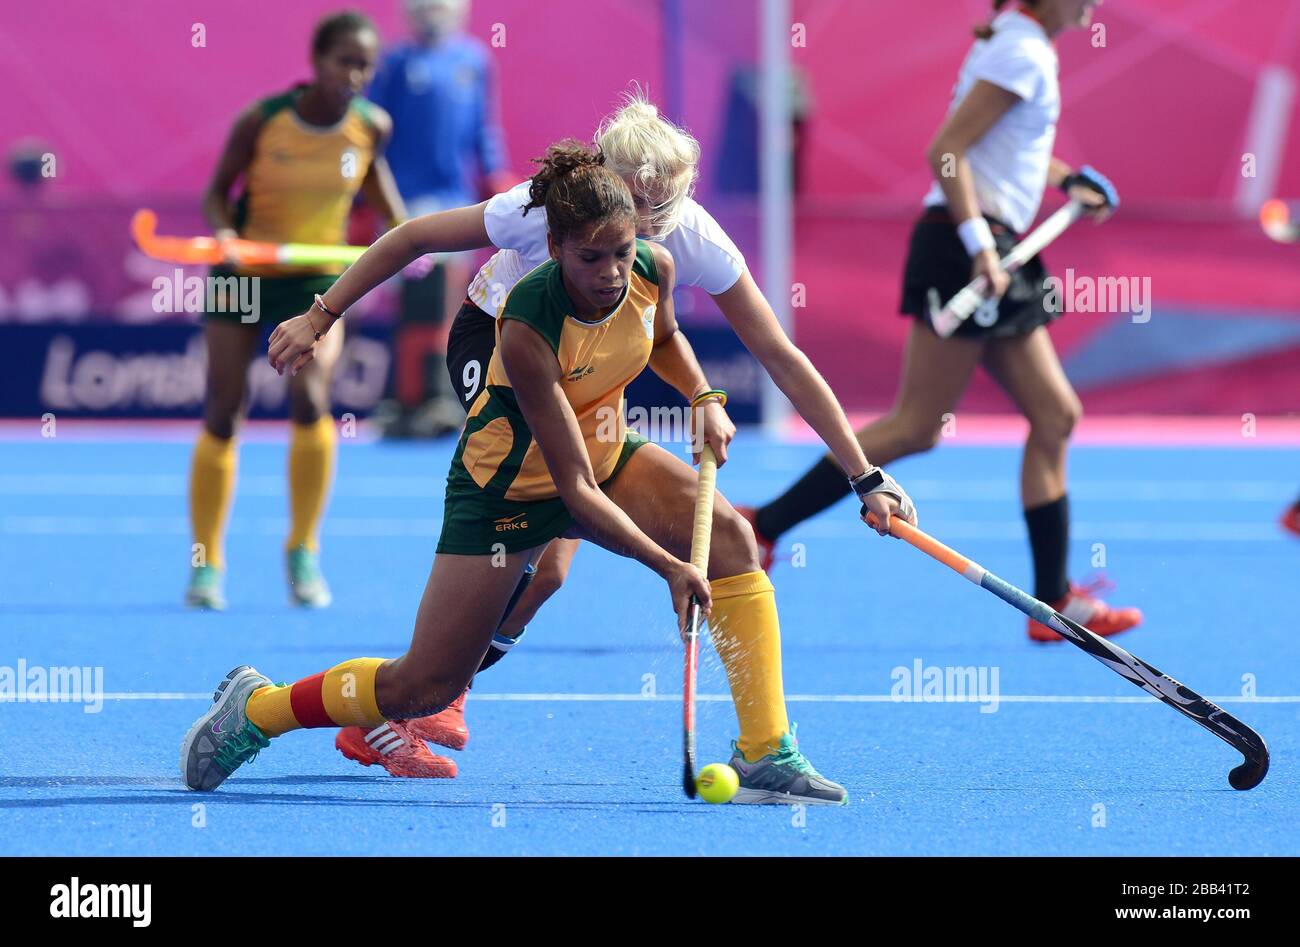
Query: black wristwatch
[[865, 482]]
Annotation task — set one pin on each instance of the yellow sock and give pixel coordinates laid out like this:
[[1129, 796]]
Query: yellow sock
[[311, 467], [212, 483], [747, 635], [343, 696]]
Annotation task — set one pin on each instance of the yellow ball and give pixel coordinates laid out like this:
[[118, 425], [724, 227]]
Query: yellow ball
[[717, 783]]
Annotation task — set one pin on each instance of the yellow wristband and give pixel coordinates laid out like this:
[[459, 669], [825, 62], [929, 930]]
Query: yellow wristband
[[706, 395]]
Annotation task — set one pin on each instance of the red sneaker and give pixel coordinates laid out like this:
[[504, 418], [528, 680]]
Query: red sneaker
[[766, 548], [396, 749], [1291, 519], [446, 728], [1092, 613]]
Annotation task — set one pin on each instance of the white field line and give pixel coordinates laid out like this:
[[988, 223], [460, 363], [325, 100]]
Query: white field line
[[1263, 529], [432, 487], [373, 526]]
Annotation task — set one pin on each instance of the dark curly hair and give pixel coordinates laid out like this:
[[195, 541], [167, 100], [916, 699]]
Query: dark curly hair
[[577, 190]]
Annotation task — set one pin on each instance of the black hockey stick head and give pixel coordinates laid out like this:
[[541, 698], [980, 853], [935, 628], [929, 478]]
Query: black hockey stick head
[[1243, 739], [1252, 771]]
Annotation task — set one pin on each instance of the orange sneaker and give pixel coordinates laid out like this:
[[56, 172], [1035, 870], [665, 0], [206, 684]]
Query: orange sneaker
[[1081, 606], [766, 548], [446, 728], [396, 749], [1291, 519]]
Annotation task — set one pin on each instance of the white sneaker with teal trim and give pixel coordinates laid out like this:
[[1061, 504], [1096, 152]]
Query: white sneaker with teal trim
[[784, 778], [223, 739]]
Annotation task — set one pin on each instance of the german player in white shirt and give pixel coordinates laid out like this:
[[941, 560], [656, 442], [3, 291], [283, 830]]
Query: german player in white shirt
[[992, 160]]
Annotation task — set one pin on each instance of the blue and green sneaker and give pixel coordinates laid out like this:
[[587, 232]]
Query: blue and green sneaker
[[206, 588], [306, 584], [783, 778]]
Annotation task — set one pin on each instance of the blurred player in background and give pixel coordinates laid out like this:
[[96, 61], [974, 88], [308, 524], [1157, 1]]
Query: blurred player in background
[[992, 160], [448, 150], [302, 155]]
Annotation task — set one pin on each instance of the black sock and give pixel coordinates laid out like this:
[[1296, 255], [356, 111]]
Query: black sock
[[1049, 538], [499, 648], [821, 487], [502, 644]]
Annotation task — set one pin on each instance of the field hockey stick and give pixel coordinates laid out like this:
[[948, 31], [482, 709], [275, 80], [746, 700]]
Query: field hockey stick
[[246, 252], [701, 534], [1275, 218], [975, 293], [1213, 718]]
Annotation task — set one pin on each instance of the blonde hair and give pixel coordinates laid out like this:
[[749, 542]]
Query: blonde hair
[[661, 158]]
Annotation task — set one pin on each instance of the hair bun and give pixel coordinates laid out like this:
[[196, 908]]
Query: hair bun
[[575, 188]]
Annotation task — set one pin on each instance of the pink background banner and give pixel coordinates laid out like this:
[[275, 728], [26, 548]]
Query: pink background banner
[[133, 108], [1171, 106]]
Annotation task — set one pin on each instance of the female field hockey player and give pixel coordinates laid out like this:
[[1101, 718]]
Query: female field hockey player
[[992, 159], [536, 453], [659, 162], [303, 156]]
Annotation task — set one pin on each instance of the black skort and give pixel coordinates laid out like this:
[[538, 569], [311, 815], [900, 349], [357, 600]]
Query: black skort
[[936, 258], [470, 344]]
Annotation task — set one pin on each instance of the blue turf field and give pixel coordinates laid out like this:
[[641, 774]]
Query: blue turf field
[[568, 757]]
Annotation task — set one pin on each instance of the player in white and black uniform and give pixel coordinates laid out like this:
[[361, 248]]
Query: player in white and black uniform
[[992, 160]]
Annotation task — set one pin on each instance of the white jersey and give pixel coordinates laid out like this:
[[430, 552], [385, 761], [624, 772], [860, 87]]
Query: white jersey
[[1010, 163], [704, 255]]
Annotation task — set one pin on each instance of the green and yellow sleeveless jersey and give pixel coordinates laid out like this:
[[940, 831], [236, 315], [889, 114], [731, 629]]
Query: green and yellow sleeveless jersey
[[302, 179], [497, 453]]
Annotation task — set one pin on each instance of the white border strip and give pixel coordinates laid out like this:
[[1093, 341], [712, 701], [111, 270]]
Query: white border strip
[[776, 189], [1266, 136]]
